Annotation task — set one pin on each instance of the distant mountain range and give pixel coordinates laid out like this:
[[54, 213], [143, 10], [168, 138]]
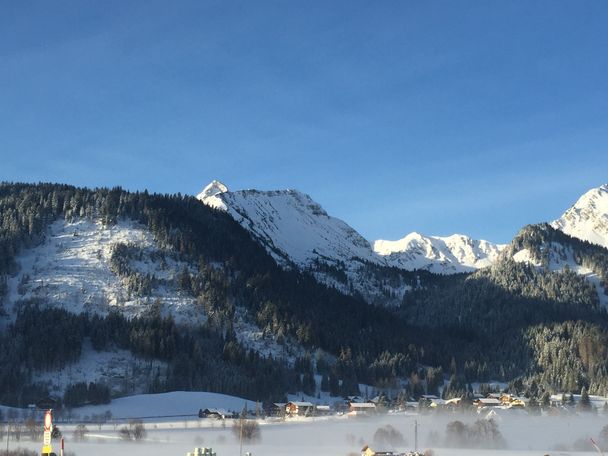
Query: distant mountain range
[[297, 231]]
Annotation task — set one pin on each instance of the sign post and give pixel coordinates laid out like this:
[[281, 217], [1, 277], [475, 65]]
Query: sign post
[[48, 430]]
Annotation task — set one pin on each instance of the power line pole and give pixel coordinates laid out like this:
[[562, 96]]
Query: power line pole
[[415, 435], [241, 434]]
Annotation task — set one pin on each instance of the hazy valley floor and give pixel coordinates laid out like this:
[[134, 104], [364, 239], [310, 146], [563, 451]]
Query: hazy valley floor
[[336, 436]]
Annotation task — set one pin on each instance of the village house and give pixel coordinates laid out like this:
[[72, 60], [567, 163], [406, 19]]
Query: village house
[[517, 402], [299, 408], [487, 402], [361, 408], [218, 414], [511, 401]]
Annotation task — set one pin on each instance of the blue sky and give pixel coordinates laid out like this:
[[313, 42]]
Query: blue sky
[[439, 117]]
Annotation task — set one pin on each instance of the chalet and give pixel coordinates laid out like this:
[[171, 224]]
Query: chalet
[[298, 408], [513, 401], [218, 414], [487, 402], [506, 398], [361, 408]]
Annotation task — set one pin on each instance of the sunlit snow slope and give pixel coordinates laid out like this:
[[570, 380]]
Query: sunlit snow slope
[[72, 269], [290, 225], [588, 218], [294, 228], [444, 255]]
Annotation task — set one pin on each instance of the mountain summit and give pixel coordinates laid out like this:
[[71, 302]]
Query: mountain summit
[[290, 225], [210, 194], [588, 218]]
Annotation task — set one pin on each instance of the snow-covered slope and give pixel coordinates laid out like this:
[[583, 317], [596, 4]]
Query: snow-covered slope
[[72, 269], [444, 255], [290, 225], [167, 404], [297, 232], [295, 229], [545, 247], [588, 218]]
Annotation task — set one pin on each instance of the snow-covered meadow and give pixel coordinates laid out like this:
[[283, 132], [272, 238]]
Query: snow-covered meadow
[[523, 434]]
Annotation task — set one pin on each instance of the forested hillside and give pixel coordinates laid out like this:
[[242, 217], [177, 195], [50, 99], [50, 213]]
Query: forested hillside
[[535, 319], [230, 270], [512, 320]]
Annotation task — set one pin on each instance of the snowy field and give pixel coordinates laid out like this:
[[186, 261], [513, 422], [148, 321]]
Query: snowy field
[[330, 437], [172, 428]]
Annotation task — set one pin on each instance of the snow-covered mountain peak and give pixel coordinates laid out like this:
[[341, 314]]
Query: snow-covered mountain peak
[[213, 189], [588, 218], [211, 195], [292, 226], [451, 254]]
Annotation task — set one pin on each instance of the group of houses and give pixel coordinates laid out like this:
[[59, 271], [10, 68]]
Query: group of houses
[[502, 400], [358, 406], [352, 406]]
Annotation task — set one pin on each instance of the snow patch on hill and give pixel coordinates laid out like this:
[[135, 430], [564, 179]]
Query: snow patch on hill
[[72, 269], [588, 218], [560, 258], [167, 404], [119, 369], [252, 337], [525, 256]]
